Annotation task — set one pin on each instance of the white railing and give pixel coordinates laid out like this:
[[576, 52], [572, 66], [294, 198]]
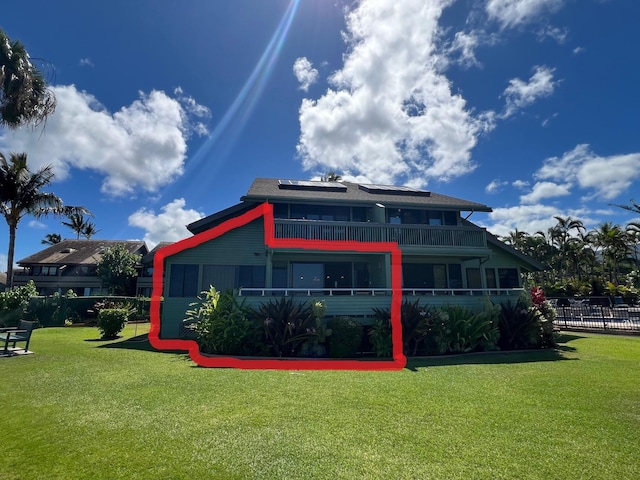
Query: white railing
[[308, 292], [404, 235]]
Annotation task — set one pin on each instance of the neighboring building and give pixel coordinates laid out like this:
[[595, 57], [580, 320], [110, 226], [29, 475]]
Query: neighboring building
[[70, 265], [445, 259], [145, 278]]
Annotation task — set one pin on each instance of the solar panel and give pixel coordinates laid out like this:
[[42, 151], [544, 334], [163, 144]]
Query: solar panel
[[311, 185], [394, 190]]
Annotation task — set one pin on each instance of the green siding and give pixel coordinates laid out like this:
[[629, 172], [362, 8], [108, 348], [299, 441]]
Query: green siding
[[241, 246]]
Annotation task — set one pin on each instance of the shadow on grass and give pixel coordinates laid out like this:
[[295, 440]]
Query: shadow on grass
[[141, 343], [488, 358]]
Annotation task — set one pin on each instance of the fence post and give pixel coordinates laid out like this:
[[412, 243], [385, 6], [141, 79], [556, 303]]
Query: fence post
[[604, 322]]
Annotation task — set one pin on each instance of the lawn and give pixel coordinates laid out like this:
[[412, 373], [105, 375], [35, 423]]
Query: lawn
[[83, 408]]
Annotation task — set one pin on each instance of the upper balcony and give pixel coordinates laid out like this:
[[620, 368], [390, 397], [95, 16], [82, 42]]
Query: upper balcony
[[405, 235]]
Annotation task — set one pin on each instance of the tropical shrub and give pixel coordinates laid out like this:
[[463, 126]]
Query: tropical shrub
[[286, 325], [468, 331], [223, 326], [380, 333], [111, 321], [14, 302], [421, 328], [346, 336], [519, 325]]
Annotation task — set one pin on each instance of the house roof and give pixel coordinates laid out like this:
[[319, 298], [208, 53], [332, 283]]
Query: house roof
[[148, 258], [534, 265], [214, 219], [274, 190], [79, 252]]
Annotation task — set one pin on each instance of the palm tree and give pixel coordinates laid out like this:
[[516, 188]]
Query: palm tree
[[77, 223], [51, 239], [21, 194], [24, 96], [331, 176], [89, 230], [614, 244]]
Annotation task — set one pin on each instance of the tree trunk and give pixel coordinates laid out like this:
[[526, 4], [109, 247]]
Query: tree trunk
[[10, 254]]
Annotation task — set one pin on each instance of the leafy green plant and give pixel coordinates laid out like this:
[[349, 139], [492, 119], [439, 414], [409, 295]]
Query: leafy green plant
[[346, 336], [380, 333], [287, 325], [14, 302], [111, 321], [519, 326], [223, 326], [468, 331]]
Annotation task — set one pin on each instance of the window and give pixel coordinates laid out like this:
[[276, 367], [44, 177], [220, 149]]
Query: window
[[183, 280], [45, 271], [307, 275], [508, 278], [490, 273], [227, 277], [473, 278]]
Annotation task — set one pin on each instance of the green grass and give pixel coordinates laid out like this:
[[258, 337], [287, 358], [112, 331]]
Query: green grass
[[82, 408]]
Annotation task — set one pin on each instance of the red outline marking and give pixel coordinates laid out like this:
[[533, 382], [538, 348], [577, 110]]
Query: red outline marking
[[266, 211]]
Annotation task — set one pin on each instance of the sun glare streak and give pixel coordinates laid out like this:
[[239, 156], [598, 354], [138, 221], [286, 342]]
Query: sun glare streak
[[240, 110]]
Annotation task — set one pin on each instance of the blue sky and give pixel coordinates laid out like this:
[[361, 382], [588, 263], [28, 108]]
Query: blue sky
[[168, 110]]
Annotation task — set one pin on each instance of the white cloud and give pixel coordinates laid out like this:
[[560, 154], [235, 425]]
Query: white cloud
[[36, 224], [578, 50], [545, 190], [305, 73], [142, 145], [391, 116], [167, 226], [520, 184], [86, 62], [520, 94], [555, 33], [608, 177], [511, 13], [495, 186], [465, 44]]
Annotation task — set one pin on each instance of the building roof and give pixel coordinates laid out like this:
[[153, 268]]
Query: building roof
[[214, 219], [274, 190], [148, 258], [79, 252]]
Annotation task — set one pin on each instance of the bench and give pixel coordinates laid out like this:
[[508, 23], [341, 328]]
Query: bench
[[11, 336]]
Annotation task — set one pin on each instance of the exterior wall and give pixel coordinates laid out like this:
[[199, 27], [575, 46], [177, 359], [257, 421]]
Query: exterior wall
[[241, 246]]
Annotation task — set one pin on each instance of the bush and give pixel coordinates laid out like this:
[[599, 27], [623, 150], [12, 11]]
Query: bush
[[14, 302], [111, 321], [223, 326], [346, 336], [380, 333], [519, 326], [467, 331], [287, 325]]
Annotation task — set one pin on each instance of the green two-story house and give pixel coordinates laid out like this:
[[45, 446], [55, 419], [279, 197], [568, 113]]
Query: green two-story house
[[343, 243]]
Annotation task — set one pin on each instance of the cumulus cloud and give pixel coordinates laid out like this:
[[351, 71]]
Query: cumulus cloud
[[512, 13], [167, 226], [495, 186], [86, 62], [520, 184], [520, 94], [608, 176], [305, 73], [390, 116], [543, 190], [143, 145]]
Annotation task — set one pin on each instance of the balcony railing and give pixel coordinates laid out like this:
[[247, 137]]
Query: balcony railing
[[404, 235], [330, 292]]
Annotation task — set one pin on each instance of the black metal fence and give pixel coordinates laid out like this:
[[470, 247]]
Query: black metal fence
[[596, 315]]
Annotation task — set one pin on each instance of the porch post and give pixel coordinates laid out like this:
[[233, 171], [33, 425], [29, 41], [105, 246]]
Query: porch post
[[268, 282]]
